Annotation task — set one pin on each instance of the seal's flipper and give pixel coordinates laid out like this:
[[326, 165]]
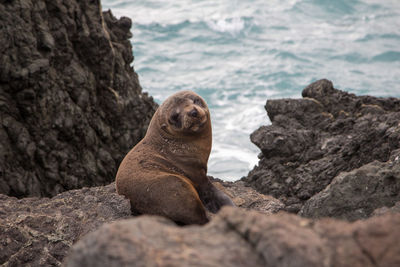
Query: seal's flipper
[[213, 199]]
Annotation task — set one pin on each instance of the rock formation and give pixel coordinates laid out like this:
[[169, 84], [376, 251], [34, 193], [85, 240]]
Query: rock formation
[[70, 103], [40, 231], [71, 107], [312, 140], [356, 194], [236, 237]]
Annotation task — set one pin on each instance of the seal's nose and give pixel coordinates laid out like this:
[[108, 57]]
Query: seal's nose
[[193, 113]]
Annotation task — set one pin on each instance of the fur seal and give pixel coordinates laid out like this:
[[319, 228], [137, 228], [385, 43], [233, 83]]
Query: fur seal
[[166, 172]]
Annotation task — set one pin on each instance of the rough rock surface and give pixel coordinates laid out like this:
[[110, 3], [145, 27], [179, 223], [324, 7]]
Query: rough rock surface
[[312, 140], [356, 194], [40, 231], [70, 103], [236, 237]]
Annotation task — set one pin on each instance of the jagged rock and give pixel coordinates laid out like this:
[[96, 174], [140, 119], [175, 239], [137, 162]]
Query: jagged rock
[[312, 140], [40, 231], [236, 237], [70, 103], [356, 194]]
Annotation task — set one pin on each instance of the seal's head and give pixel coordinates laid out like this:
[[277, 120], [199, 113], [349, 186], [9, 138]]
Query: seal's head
[[184, 113]]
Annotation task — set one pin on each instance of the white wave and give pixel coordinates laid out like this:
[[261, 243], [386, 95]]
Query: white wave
[[232, 26], [231, 162], [224, 16]]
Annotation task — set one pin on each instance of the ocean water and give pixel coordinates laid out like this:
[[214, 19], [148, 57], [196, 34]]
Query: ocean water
[[238, 54]]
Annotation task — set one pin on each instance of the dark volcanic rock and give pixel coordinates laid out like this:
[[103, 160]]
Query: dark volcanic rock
[[236, 237], [356, 194], [40, 231], [70, 103], [312, 140]]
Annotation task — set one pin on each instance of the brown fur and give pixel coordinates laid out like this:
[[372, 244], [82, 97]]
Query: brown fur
[[165, 173]]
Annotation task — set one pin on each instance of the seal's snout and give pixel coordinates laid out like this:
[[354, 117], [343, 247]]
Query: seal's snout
[[194, 113]]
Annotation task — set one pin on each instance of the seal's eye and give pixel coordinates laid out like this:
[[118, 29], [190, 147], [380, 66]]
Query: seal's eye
[[174, 120], [174, 117]]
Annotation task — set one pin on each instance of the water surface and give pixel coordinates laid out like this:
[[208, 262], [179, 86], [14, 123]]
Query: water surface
[[238, 54]]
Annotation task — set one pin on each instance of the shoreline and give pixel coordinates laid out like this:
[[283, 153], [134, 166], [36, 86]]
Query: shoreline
[[68, 116]]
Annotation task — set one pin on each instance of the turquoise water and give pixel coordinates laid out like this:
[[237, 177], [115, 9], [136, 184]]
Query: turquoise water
[[238, 54]]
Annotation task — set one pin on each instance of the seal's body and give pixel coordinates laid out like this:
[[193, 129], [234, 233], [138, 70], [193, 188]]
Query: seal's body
[[166, 173]]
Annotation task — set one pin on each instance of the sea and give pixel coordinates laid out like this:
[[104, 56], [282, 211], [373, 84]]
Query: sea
[[238, 54]]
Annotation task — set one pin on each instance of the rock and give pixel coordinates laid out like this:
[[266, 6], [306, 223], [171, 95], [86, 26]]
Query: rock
[[236, 237], [384, 210], [40, 231], [247, 198], [312, 140], [70, 103], [356, 194]]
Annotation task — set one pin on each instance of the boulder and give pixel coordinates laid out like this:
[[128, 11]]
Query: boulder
[[236, 237], [70, 103], [40, 231], [356, 194], [313, 139]]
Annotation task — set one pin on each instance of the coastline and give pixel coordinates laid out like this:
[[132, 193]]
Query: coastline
[[68, 117]]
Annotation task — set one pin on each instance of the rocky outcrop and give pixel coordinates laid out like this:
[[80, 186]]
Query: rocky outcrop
[[40, 231], [312, 140], [356, 194], [71, 107], [70, 103], [242, 238]]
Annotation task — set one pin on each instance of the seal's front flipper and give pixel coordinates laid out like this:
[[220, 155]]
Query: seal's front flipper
[[213, 199]]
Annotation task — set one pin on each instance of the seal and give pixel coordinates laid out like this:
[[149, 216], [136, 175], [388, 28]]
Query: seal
[[166, 172]]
